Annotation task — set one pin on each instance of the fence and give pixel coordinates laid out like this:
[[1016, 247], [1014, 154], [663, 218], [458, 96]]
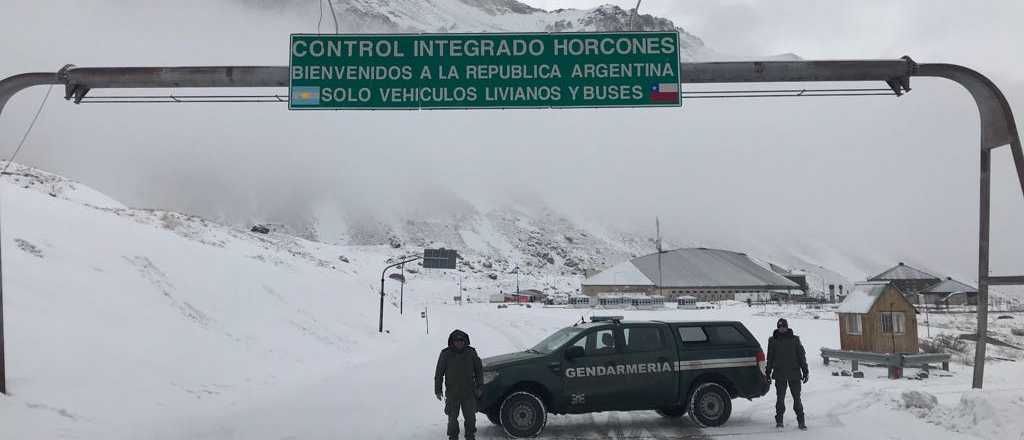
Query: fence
[[895, 362]]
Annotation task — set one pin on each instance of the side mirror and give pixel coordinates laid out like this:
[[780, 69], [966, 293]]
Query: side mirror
[[573, 352]]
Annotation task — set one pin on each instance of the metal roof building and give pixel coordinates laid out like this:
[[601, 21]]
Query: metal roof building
[[908, 279], [903, 272], [950, 292], [709, 274]]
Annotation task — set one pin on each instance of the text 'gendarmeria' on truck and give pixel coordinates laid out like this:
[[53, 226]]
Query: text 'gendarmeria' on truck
[[608, 364]]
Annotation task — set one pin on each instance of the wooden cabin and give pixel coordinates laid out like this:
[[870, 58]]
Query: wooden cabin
[[877, 317]]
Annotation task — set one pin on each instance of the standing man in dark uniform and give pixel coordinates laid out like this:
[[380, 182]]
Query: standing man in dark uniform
[[462, 372], [787, 364]]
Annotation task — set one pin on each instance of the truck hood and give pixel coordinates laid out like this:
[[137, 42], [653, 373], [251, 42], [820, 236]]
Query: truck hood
[[507, 360]]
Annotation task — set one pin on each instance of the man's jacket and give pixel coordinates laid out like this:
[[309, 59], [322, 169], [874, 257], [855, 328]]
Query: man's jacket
[[786, 357], [461, 370]]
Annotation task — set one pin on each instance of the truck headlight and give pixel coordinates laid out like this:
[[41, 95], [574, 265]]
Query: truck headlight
[[489, 376]]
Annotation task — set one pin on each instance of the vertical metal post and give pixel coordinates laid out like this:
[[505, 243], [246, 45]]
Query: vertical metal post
[[517, 280], [927, 320], [426, 315], [3, 361], [892, 325], [401, 291], [983, 235], [380, 323]]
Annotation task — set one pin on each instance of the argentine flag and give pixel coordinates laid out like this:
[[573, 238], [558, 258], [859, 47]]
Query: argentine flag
[[305, 95]]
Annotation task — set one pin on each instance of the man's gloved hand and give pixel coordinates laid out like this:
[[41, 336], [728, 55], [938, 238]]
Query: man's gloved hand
[[440, 396], [807, 376]]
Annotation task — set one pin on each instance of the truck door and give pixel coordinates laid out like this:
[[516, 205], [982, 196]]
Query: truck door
[[718, 348], [692, 342], [648, 357], [590, 384]]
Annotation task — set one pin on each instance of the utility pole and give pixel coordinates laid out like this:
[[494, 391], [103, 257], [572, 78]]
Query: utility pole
[[657, 240], [517, 280], [927, 319]]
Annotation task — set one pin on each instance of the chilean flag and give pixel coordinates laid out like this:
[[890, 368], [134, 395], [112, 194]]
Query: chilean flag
[[665, 92]]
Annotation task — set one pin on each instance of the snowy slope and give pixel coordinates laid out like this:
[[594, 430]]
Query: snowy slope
[[116, 315]]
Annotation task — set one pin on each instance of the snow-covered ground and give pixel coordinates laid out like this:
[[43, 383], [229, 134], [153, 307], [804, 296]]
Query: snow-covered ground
[[131, 324]]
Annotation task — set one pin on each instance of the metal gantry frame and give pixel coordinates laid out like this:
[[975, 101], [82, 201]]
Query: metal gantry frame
[[997, 125]]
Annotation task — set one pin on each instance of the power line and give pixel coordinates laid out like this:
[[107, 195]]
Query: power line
[[702, 94], [320, 19], [28, 130], [334, 15], [636, 10]]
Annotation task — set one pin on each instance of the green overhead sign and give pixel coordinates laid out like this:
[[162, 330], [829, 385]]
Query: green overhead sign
[[523, 70]]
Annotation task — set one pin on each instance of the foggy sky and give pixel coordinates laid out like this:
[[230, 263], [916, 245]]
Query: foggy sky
[[868, 180]]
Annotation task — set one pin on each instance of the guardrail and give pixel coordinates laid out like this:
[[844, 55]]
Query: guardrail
[[895, 362]]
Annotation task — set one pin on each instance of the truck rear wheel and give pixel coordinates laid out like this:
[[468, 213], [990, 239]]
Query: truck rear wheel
[[710, 405], [523, 414], [671, 412]]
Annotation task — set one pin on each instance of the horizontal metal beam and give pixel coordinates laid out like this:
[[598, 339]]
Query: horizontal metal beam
[[1014, 280], [187, 76], [888, 359], [14, 84], [79, 80], [795, 71]]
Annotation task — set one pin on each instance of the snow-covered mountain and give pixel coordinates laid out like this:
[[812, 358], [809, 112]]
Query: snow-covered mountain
[[489, 16], [495, 240]]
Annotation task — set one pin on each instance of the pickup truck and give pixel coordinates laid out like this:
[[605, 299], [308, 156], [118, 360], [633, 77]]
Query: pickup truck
[[608, 364]]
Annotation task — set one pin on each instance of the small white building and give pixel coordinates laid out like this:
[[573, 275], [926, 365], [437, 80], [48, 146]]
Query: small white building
[[686, 302], [559, 298], [612, 301], [580, 302], [644, 302]]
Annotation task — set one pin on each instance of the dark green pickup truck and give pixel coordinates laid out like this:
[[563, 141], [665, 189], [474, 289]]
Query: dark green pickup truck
[[608, 364]]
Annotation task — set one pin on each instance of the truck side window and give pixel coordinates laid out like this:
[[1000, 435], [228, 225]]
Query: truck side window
[[581, 342], [725, 335], [640, 339], [692, 334], [603, 342]]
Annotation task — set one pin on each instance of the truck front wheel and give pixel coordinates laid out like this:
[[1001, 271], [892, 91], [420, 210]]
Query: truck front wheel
[[494, 416], [523, 414], [710, 405], [671, 412]]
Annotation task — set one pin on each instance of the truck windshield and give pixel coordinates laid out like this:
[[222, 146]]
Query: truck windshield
[[551, 343]]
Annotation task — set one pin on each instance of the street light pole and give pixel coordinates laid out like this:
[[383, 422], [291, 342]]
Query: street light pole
[[380, 323]]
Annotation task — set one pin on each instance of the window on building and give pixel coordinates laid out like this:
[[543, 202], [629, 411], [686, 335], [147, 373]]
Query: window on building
[[692, 334], [893, 322], [853, 324]]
